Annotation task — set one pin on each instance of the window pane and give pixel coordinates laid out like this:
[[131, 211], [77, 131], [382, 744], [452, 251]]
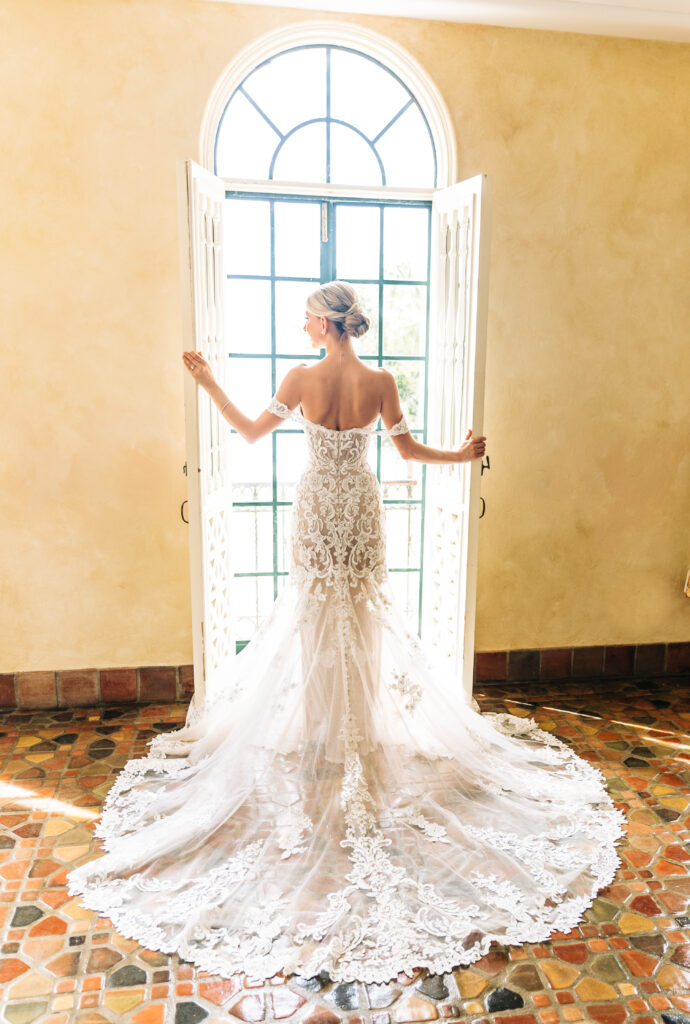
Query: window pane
[[251, 468], [235, 156], [405, 243], [409, 376], [404, 319], [298, 240], [399, 478], [291, 459], [247, 237], [407, 152], [406, 586], [357, 242], [403, 529], [363, 93], [353, 161], [303, 156], [291, 337], [252, 600], [251, 465], [368, 344], [291, 87], [252, 536], [247, 317], [249, 383]]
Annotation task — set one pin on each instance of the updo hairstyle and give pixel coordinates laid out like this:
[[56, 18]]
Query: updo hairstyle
[[338, 302]]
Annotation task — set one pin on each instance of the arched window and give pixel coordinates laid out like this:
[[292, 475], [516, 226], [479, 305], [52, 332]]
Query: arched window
[[325, 114]]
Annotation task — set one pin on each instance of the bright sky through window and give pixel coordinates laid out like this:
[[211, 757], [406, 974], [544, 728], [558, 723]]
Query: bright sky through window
[[325, 114]]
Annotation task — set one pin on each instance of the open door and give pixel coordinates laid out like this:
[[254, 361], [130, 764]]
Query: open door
[[201, 200], [460, 279]]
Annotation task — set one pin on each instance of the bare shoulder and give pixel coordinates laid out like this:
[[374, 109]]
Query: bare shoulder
[[383, 381], [289, 391], [386, 387], [388, 378]]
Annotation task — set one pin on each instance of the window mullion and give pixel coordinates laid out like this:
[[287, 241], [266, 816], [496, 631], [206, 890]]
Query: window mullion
[[274, 439], [379, 439], [327, 241], [425, 436], [328, 115]]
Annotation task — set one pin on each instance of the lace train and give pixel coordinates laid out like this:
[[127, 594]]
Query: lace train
[[336, 806]]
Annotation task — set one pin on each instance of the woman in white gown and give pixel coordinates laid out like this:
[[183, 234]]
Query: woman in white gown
[[339, 807]]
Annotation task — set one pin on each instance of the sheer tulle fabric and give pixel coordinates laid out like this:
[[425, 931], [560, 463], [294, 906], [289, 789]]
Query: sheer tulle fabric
[[339, 807]]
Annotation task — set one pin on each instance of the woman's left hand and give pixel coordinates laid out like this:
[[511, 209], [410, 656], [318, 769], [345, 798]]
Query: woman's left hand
[[472, 447], [199, 368]]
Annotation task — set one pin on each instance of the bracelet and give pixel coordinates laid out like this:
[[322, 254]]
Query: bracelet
[[227, 403]]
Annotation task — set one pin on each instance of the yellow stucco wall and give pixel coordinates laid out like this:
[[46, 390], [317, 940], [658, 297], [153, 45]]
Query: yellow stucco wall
[[585, 540]]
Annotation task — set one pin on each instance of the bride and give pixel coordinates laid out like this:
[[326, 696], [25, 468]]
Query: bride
[[339, 807]]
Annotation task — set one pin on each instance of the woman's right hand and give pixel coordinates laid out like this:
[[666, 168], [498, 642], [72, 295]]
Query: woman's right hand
[[199, 368], [472, 448]]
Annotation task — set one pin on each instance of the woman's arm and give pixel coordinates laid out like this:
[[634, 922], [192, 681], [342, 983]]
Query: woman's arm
[[251, 430], [409, 448]]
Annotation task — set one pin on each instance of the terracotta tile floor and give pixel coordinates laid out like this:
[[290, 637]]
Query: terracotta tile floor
[[629, 960]]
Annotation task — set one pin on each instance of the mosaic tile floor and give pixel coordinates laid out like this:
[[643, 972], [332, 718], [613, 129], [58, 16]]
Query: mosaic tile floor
[[629, 959]]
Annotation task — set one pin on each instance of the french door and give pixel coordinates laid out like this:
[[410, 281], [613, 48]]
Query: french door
[[266, 252], [460, 246]]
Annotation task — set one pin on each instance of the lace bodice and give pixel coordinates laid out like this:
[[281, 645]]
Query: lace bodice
[[346, 447]]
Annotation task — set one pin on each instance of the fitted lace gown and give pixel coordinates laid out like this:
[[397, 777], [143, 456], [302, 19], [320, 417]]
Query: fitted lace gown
[[339, 807]]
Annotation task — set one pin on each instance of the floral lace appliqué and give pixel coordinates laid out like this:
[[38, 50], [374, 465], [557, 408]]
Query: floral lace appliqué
[[410, 691]]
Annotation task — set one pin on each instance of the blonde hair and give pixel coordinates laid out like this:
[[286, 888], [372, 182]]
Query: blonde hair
[[338, 302]]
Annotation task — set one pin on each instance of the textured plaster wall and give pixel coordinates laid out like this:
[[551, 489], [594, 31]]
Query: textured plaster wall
[[585, 540]]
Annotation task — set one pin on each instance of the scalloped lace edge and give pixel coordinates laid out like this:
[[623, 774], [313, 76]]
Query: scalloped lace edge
[[569, 914]]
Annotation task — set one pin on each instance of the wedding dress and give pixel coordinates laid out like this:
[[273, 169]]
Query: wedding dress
[[340, 807]]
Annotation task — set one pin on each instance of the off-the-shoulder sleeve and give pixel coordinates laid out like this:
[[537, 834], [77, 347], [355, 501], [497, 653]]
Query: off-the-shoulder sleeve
[[400, 427], [279, 408]]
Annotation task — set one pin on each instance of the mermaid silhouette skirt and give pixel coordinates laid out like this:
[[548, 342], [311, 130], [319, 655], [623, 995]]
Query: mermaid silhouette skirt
[[337, 806]]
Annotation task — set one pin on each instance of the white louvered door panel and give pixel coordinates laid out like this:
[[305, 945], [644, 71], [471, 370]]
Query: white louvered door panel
[[201, 202], [460, 279]]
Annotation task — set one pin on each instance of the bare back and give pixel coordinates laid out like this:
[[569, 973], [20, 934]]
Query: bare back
[[340, 398]]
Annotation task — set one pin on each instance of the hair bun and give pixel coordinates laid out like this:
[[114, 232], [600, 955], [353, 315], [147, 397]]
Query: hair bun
[[338, 302], [356, 322]]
